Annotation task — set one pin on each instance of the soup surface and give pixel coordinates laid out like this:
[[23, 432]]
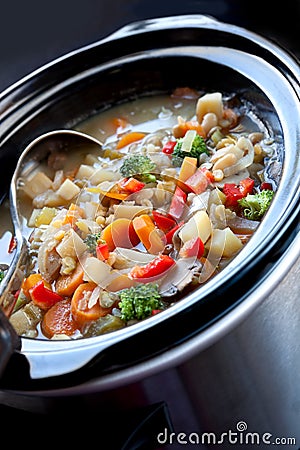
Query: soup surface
[[119, 234]]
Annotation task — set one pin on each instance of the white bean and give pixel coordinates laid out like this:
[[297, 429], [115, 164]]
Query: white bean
[[209, 121], [225, 161]]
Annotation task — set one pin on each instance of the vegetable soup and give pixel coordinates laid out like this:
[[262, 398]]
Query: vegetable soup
[[120, 234]]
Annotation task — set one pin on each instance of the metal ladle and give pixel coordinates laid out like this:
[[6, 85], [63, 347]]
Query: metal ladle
[[33, 155]]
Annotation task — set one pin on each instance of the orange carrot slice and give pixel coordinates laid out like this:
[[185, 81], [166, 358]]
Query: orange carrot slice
[[65, 285], [128, 138]]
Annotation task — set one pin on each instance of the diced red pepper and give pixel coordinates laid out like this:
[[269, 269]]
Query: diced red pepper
[[170, 234], [192, 247], [44, 297], [130, 185], [198, 182], [178, 203], [246, 186], [155, 311], [155, 268], [102, 251], [266, 186], [12, 244], [17, 293], [235, 192], [163, 221], [168, 148]]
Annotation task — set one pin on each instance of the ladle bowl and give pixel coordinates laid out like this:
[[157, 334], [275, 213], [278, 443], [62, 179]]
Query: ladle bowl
[[38, 150]]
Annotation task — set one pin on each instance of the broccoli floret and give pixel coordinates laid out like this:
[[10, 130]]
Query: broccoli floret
[[92, 240], [138, 165], [1, 275], [198, 147], [139, 301], [255, 205]]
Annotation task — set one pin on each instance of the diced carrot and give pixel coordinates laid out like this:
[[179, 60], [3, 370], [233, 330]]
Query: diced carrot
[[79, 305], [188, 168], [120, 233], [31, 281], [110, 194], [73, 214], [148, 234], [128, 138], [119, 122], [185, 92], [130, 185], [59, 320], [182, 127], [65, 285]]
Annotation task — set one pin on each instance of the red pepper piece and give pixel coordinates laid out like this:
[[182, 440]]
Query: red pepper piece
[[163, 221], [130, 185], [266, 186], [102, 251], [12, 244], [168, 148], [155, 311], [199, 181], [192, 247], [44, 297], [155, 268], [177, 203], [234, 193], [246, 186], [170, 234]]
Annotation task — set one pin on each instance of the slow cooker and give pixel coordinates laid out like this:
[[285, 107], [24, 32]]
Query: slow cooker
[[211, 335]]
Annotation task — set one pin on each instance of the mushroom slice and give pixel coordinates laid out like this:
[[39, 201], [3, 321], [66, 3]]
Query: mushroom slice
[[179, 276], [49, 262]]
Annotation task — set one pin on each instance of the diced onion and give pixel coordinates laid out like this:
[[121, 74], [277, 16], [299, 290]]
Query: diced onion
[[94, 297]]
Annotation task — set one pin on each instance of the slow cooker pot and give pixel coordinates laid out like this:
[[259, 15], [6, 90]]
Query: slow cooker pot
[[155, 56]]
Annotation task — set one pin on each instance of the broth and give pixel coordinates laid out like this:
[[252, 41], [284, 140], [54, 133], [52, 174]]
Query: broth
[[120, 234]]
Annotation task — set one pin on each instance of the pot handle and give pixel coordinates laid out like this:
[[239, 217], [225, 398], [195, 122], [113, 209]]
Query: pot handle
[[189, 20], [9, 341]]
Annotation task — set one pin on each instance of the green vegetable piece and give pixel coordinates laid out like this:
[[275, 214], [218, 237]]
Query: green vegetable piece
[[198, 147], [92, 240], [139, 301], [255, 205], [103, 325], [139, 165]]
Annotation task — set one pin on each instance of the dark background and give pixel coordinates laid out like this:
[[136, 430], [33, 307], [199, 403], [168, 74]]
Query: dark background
[[33, 32]]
